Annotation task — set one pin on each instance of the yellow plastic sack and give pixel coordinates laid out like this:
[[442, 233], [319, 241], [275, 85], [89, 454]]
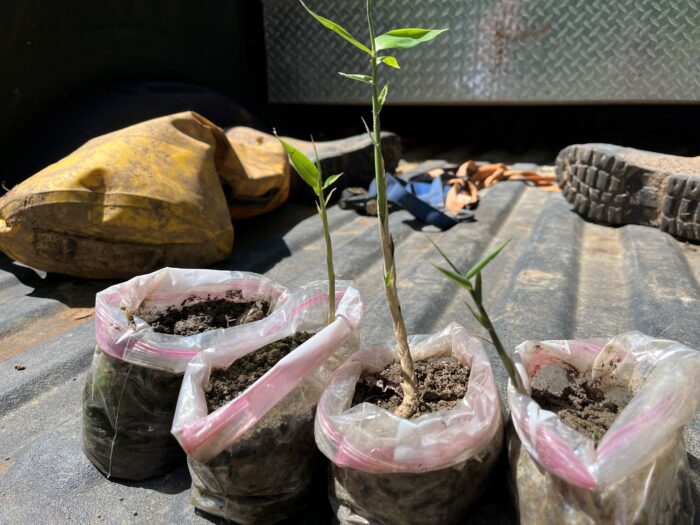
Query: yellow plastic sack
[[126, 203], [258, 175]]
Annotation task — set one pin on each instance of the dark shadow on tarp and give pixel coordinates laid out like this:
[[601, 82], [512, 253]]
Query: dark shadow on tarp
[[71, 291], [175, 482], [258, 242]]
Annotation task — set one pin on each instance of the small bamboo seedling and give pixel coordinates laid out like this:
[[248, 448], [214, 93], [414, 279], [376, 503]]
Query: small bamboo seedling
[[312, 174], [471, 281], [394, 39]]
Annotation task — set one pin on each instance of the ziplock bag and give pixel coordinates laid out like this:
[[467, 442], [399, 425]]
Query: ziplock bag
[[253, 460], [639, 471], [132, 386], [389, 470]]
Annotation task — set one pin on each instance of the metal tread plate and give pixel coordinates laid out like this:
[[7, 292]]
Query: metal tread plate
[[513, 51]]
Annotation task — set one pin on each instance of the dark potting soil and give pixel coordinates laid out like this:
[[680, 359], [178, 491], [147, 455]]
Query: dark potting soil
[[442, 382], [274, 471], [194, 316], [127, 415], [581, 405], [226, 384]]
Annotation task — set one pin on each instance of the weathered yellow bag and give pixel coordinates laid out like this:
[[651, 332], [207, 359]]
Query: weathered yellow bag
[[126, 203], [258, 174]]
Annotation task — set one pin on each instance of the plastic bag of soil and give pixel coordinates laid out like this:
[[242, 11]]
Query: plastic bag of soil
[[429, 469], [609, 448], [254, 460], [133, 383]]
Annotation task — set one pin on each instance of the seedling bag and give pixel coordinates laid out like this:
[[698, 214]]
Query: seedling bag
[[425, 470], [254, 460], [132, 386], [639, 471]]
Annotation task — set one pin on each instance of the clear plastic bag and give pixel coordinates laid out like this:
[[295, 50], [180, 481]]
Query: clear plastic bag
[[132, 386], [639, 471], [253, 460], [430, 469]]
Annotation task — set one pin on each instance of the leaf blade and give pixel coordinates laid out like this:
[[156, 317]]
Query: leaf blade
[[338, 29], [457, 278], [328, 197], [354, 76], [483, 262], [390, 61], [369, 133], [382, 95], [306, 169], [477, 289], [330, 180], [475, 314], [405, 38], [444, 256]]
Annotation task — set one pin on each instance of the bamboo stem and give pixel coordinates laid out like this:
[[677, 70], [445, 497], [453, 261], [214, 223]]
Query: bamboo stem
[[409, 384], [505, 358], [329, 256]]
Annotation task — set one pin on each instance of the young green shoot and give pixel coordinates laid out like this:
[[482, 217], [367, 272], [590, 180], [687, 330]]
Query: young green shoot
[[394, 39], [471, 281], [312, 174]]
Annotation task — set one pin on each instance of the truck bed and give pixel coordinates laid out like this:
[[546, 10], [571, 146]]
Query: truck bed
[[559, 278]]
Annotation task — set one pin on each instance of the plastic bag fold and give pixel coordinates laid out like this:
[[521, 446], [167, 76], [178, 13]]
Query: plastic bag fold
[[372, 439], [204, 435], [139, 344]]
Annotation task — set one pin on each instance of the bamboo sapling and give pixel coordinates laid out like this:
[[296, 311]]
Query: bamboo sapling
[[395, 39], [471, 281], [312, 174]]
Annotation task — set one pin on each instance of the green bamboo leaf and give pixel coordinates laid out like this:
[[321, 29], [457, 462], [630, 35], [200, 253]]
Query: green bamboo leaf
[[483, 262], [405, 38], [390, 61], [328, 197], [330, 180], [475, 314], [369, 133], [353, 76], [317, 161], [459, 279], [456, 270], [382, 96], [477, 289], [306, 169], [338, 30]]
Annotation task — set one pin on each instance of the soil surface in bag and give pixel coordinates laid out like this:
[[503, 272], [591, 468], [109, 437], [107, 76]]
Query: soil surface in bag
[[437, 496], [582, 405], [442, 382], [194, 316], [274, 469], [128, 409], [225, 385]]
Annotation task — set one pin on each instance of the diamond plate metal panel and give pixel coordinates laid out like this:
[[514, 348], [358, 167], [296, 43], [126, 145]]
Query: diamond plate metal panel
[[526, 51]]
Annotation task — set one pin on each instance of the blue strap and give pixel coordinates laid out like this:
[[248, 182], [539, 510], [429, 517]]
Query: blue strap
[[402, 194]]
